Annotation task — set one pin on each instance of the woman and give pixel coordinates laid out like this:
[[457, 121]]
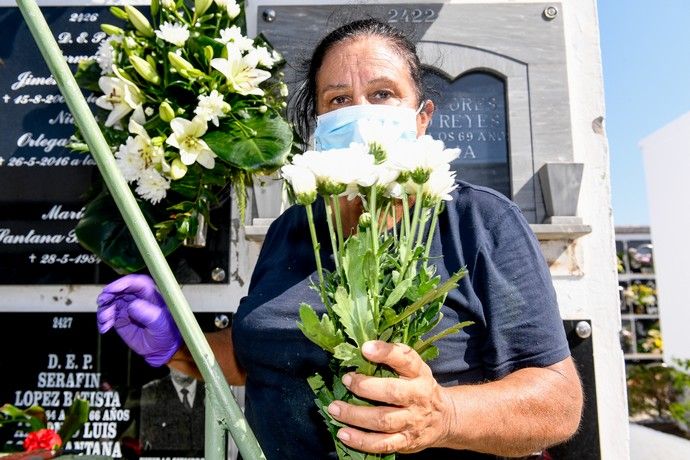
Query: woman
[[505, 386]]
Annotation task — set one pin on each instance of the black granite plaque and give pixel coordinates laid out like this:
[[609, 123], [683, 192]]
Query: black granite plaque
[[585, 444], [471, 114], [42, 183], [60, 356]]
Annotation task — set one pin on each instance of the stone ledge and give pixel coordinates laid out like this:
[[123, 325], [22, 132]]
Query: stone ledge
[[257, 231], [546, 232]]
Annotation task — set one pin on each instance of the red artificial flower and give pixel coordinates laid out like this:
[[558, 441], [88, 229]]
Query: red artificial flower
[[42, 439]]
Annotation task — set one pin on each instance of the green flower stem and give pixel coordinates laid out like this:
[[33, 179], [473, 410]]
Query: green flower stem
[[415, 218], [384, 220], [422, 224], [338, 226], [395, 222], [331, 234], [425, 344], [406, 214], [230, 415], [375, 248], [443, 289], [432, 230], [317, 256]]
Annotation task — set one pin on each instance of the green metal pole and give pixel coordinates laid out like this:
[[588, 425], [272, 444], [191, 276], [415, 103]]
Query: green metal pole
[[215, 442], [230, 415]]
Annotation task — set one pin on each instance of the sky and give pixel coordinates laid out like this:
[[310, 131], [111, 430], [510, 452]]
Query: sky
[[645, 47]]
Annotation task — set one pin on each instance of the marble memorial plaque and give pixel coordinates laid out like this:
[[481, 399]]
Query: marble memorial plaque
[[471, 115]]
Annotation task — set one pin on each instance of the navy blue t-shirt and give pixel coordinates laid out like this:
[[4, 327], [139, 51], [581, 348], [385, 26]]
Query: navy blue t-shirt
[[507, 293]]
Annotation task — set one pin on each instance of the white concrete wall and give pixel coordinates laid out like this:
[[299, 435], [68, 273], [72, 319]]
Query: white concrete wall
[[594, 294], [666, 155]]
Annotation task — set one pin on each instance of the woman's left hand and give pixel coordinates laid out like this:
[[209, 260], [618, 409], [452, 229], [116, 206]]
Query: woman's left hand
[[418, 411]]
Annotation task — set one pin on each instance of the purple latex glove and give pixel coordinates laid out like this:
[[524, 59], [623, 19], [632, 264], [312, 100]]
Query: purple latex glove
[[135, 308]]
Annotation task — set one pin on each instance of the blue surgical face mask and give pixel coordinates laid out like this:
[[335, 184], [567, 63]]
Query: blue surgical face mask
[[339, 128]]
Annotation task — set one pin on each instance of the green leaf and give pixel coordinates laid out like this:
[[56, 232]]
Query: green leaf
[[77, 415], [259, 144], [322, 333], [355, 316], [397, 293], [351, 356], [11, 411], [102, 231], [315, 382], [442, 290], [429, 353], [423, 346], [88, 74], [354, 258]]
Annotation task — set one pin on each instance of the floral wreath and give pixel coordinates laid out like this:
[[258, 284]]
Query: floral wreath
[[189, 105]]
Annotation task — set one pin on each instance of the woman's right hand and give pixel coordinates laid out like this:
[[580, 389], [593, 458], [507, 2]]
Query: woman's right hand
[[135, 308]]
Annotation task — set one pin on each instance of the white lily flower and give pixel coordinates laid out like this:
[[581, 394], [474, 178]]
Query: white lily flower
[[152, 154], [302, 181], [439, 186], [152, 186], [242, 77], [174, 33], [211, 107], [234, 35], [186, 137], [120, 97]]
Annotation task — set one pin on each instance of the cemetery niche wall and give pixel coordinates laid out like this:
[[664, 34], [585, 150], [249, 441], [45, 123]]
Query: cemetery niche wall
[[49, 283], [497, 74]]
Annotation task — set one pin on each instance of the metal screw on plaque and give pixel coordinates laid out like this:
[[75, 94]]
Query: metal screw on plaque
[[583, 329], [218, 274], [269, 15], [222, 321], [550, 13]]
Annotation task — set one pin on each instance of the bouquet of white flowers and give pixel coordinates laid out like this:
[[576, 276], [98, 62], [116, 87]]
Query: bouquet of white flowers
[[190, 106], [384, 286]]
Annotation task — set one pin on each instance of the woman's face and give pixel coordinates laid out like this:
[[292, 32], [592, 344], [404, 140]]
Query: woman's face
[[367, 70]]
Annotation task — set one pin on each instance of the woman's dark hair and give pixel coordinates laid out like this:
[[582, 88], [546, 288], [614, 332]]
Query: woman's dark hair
[[303, 110]]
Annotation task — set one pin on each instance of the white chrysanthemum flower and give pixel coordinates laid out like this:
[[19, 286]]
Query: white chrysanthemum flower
[[211, 107], [152, 186], [263, 56], [420, 157], [105, 55], [233, 9], [243, 77], [128, 160], [439, 186], [120, 97], [174, 33], [234, 35], [302, 181], [186, 137], [336, 169]]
